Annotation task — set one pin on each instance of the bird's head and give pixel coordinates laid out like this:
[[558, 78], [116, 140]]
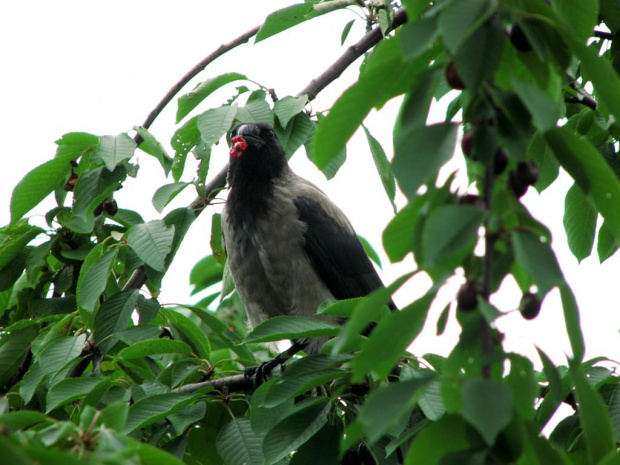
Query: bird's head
[[251, 139], [255, 154]]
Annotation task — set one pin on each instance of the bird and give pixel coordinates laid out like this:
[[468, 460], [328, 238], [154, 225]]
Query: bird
[[289, 247]]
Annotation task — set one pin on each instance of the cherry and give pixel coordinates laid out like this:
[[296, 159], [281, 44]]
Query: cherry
[[500, 161], [529, 306], [238, 146], [453, 77], [519, 40], [467, 296]]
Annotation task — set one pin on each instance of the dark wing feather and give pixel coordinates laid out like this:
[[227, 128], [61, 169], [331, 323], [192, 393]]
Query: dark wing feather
[[336, 253]]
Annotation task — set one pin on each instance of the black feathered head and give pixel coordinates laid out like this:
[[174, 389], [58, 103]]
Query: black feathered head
[[253, 137], [255, 152]]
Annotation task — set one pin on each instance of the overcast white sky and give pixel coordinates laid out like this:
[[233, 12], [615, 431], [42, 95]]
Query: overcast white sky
[[101, 67]]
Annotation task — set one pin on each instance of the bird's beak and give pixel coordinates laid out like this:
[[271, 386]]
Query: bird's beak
[[251, 134]]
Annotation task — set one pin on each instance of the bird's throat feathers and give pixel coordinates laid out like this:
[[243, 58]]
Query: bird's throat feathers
[[251, 177]]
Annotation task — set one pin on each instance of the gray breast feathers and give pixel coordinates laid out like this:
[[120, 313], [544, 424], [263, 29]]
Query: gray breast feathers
[[267, 260]]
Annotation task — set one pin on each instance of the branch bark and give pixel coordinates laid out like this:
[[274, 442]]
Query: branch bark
[[355, 51], [226, 384], [174, 90]]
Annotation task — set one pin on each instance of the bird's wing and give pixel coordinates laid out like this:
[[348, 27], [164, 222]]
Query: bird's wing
[[333, 249]]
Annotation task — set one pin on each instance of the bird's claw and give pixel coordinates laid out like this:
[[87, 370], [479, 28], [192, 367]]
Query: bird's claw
[[258, 375]]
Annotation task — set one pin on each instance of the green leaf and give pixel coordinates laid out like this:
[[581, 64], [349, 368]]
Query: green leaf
[[216, 242], [552, 375], [390, 402], [383, 167], [419, 152], [548, 165], [15, 241], [371, 308], [13, 351], [60, 352], [213, 124], [294, 431], [544, 110], [390, 339], [151, 146], [345, 31], [610, 12], [152, 242], [114, 416], [290, 387], [154, 347], [437, 440], [21, 419], [538, 260], [579, 222], [113, 316], [153, 408], [115, 149], [607, 244], [523, 385], [399, 233], [255, 110], [94, 275], [30, 382], [384, 76], [323, 447], [370, 251], [571, 319], [288, 107], [450, 230], [459, 19], [38, 184], [334, 165], [601, 73], [183, 140], [205, 273], [593, 416], [191, 100], [286, 18], [479, 57], [191, 332], [187, 415], [92, 188], [591, 172], [431, 401], [76, 144], [295, 135], [416, 37], [68, 390], [291, 327], [238, 444], [487, 406], [164, 195], [579, 17]]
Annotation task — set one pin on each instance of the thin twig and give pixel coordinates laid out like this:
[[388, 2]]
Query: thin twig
[[222, 49], [227, 384], [603, 34], [487, 279], [349, 56]]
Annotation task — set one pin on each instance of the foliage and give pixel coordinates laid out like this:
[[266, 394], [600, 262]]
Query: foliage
[[93, 371]]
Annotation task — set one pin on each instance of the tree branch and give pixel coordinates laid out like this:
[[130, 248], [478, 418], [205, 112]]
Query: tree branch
[[227, 384], [222, 49], [355, 51], [603, 34]]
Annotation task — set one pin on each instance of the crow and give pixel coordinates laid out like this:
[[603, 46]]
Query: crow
[[289, 247]]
